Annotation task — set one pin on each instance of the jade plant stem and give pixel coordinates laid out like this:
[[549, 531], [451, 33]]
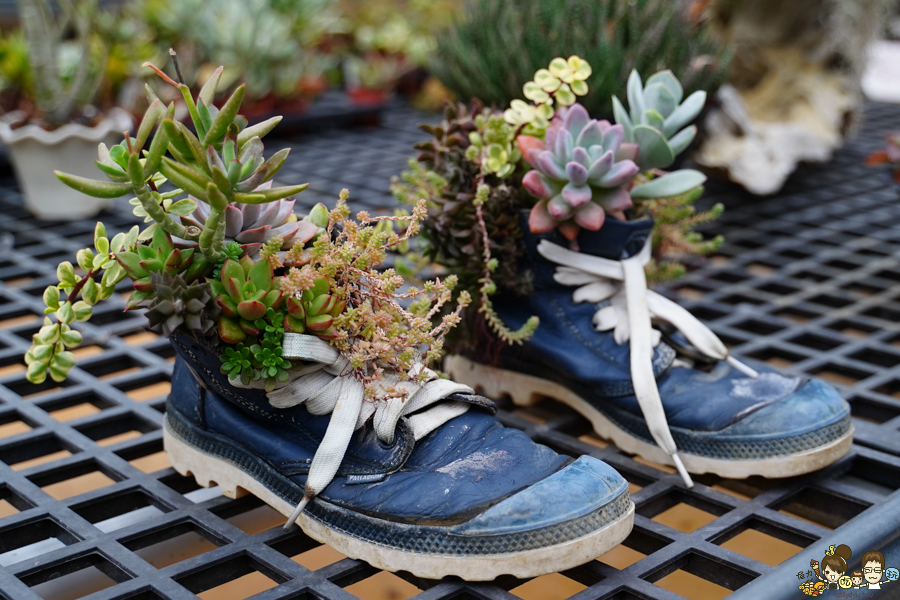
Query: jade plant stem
[[70, 299], [212, 237], [151, 202]]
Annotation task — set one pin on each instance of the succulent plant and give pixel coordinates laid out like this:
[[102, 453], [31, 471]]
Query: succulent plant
[[245, 291], [159, 256], [582, 170], [314, 311], [266, 43], [657, 118], [473, 194], [237, 362], [253, 225], [446, 177], [561, 82], [176, 303]]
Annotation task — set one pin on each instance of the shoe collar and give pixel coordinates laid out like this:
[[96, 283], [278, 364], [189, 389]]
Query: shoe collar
[[616, 240]]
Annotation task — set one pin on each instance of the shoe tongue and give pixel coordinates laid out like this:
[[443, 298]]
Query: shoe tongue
[[615, 240]]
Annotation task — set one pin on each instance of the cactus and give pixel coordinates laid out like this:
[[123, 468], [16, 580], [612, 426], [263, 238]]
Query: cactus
[[57, 99]]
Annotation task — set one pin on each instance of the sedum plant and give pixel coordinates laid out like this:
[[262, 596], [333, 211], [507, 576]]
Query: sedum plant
[[560, 83], [321, 275], [73, 299], [469, 172], [674, 238]]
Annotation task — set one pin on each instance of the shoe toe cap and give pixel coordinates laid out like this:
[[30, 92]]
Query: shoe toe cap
[[813, 405], [582, 488]]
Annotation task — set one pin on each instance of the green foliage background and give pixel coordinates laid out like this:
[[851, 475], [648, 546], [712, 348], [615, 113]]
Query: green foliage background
[[499, 44]]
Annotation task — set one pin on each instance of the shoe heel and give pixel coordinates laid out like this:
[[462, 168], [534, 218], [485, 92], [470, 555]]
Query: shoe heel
[[491, 381], [206, 470]]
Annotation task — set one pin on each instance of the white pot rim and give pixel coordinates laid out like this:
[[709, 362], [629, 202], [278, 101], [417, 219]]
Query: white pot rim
[[116, 119]]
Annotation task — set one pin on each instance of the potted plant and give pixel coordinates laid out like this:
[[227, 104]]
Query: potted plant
[[479, 171], [58, 126], [301, 363], [269, 46], [370, 79], [576, 212]]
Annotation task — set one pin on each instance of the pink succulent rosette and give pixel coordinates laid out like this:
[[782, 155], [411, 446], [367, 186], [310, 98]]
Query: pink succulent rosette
[[252, 225], [582, 171]]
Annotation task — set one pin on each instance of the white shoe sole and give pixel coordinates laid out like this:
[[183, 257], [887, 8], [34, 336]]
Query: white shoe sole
[[526, 390], [209, 471]]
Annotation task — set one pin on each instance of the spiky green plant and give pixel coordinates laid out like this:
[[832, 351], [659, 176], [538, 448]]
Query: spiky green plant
[[56, 96], [336, 285], [196, 163], [500, 44]]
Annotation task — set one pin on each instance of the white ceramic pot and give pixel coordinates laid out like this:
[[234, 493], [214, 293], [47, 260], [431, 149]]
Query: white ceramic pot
[[35, 153]]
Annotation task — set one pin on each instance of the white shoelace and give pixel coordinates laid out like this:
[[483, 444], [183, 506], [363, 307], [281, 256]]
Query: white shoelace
[[325, 388], [629, 312]]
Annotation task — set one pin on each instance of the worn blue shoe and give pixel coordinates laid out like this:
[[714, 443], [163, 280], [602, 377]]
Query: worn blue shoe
[[646, 373], [434, 485]]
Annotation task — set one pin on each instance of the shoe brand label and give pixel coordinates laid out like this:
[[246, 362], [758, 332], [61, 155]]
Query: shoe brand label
[[351, 479]]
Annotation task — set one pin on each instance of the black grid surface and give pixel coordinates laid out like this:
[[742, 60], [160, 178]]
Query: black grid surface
[[808, 280]]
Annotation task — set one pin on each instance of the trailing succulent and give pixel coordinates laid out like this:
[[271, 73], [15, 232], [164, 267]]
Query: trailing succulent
[[476, 237], [71, 300], [224, 256]]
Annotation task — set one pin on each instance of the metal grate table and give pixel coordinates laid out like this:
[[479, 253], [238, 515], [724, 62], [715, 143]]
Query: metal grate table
[[808, 280]]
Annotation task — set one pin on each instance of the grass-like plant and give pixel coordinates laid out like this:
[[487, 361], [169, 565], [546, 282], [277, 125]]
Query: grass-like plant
[[499, 44]]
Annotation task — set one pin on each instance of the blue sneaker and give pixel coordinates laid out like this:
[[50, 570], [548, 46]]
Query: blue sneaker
[[434, 486], [647, 374]]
